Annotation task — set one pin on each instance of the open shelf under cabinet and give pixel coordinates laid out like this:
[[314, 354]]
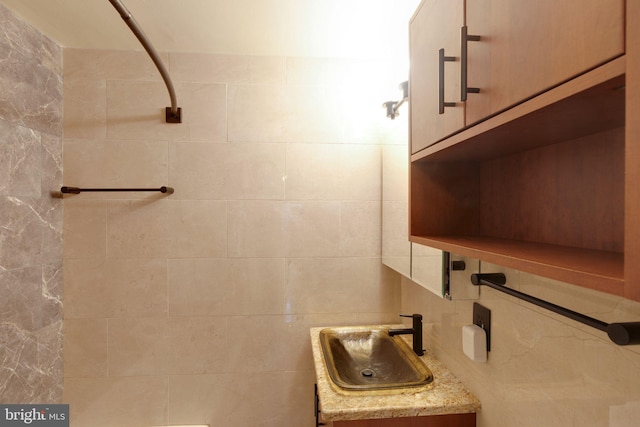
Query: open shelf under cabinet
[[539, 188]]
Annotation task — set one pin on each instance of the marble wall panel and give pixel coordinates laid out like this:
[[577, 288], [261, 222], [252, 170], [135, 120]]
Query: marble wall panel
[[31, 83], [31, 365]]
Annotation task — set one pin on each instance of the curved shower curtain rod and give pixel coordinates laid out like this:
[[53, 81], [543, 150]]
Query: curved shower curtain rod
[[173, 113]]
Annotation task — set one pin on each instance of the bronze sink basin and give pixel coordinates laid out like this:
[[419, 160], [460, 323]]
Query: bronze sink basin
[[367, 358]]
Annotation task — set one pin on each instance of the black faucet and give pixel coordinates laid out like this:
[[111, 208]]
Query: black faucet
[[416, 331]]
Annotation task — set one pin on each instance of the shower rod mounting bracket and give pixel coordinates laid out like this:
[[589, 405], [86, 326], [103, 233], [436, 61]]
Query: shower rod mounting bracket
[[171, 117]]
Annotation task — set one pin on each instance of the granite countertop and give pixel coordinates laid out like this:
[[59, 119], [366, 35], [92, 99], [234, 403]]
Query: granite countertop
[[445, 395]]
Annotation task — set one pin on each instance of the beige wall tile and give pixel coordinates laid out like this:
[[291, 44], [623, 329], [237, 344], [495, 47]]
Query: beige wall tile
[[227, 171], [542, 369], [330, 319], [312, 228], [204, 108], [196, 228], [85, 109], [138, 346], [335, 285], [135, 164], [116, 164], [390, 318], [257, 228], [257, 113], [334, 72], [198, 345], [260, 347], [138, 229], [395, 173], [85, 348], [624, 415], [296, 389], [110, 65], [177, 277], [395, 232], [207, 68], [285, 113], [362, 85], [99, 287], [202, 399], [136, 110], [228, 400], [117, 402], [360, 224], [223, 286], [333, 172], [362, 172], [314, 172], [314, 114], [85, 226], [605, 307]]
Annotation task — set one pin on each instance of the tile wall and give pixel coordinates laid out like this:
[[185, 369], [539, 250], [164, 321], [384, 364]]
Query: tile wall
[[30, 219], [195, 308], [543, 369]]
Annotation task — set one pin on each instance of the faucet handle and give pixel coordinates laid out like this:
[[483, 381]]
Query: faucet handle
[[413, 316]]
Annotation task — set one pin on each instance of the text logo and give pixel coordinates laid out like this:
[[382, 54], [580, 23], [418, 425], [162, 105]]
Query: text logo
[[34, 415]]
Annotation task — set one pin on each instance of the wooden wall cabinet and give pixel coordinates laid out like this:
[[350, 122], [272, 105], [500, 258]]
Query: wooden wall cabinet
[[543, 176], [436, 25], [524, 48]]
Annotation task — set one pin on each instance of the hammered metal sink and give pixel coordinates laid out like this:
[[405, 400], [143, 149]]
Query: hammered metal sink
[[366, 358]]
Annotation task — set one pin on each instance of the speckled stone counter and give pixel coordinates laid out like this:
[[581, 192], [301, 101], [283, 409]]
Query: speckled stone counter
[[445, 395]]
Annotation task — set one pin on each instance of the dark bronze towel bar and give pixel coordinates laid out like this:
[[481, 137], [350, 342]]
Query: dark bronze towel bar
[[76, 190], [620, 333]]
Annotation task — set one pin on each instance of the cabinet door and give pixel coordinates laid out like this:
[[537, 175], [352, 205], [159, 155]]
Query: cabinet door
[[436, 25], [527, 47]]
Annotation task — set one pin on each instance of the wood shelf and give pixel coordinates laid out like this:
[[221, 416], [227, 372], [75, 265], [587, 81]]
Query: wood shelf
[[599, 270], [539, 188]]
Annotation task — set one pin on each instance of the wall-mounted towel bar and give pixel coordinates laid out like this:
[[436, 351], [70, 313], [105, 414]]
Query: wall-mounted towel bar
[[76, 190], [620, 333]]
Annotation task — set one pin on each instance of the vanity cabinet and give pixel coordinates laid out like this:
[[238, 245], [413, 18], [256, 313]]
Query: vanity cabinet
[[471, 59], [453, 420], [542, 177]]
